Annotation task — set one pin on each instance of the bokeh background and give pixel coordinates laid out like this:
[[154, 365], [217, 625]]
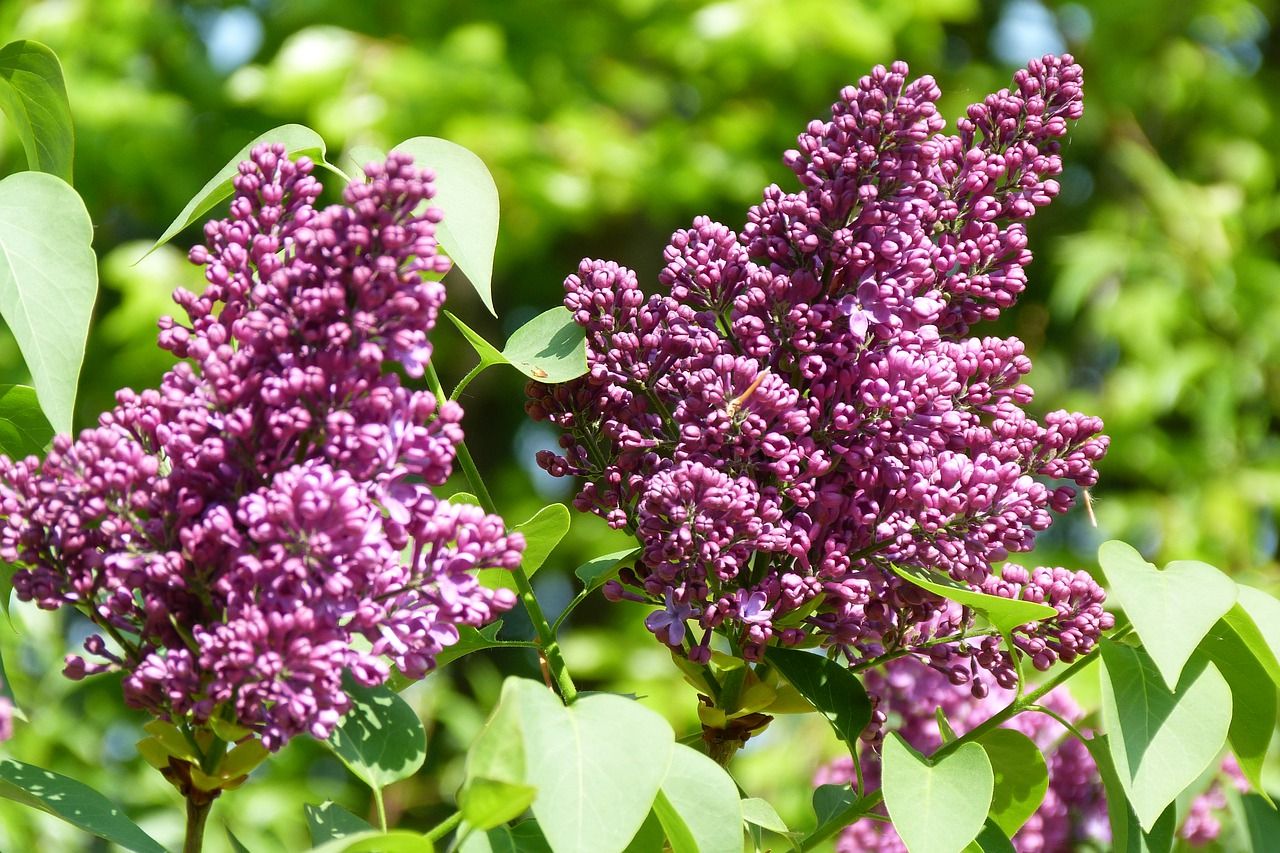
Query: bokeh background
[[1154, 300]]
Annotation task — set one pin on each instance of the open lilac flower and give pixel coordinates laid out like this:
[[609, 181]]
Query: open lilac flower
[[803, 405], [263, 521]]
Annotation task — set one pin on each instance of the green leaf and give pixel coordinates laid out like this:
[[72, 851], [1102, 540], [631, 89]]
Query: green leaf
[[650, 837], [487, 803], [760, 813], [465, 191], [524, 837], [832, 689], [944, 725], [380, 739], [1021, 775], [1004, 613], [1127, 835], [488, 353], [542, 533], [1262, 822], [298, 140], [24, 430], [594, 787], [74, 802], [48, 283], [829, 803], [699, 806], [1256, 618], [358, 156], [594, 573], [1253, 699], [33, 96], [464, 498], [1160, 740], [329, 820], [1171, 610], [992, 839], [936, 807], [237, 846], [376, 841], [550, 348], [470, 640]]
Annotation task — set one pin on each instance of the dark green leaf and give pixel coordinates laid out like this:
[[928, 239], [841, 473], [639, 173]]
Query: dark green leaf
[[1005, 613], [1262, 822], [649, 838], [830, 802], [330, 820], [1160, 741], [1256, 618], [470, 640], [24, 430], [1127, 835], [381, 738], [524, 837], [237, 846], [936, 807], [74, 802], [1171, 610], [831, 688], [1253, 699], [48, 283], [33, 96], [991, 839], [465, 191]]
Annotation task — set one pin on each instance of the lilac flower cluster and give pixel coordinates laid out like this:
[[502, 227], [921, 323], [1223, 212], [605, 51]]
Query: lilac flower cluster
[[1073, 813], [804, 406], [263, 520]]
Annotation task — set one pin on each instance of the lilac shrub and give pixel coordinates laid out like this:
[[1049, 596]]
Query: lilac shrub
[[263, 521], [803, 407]]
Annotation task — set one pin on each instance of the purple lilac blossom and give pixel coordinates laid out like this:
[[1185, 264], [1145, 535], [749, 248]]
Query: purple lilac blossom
[[263, 521], [804, 406]]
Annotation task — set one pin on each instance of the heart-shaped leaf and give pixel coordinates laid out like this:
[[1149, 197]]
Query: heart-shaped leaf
[[1160, 740], [329, 820], [1004, 613], [1253, 699], [594, 788], [1021, 775], [465, 191], [542, 533], [936, 807], [835, 692], [298, 140], [48, 283], [33, 96], [699, 806], [74, 802], [829, 805], [380, 739], [594, 573], [1171, 610]]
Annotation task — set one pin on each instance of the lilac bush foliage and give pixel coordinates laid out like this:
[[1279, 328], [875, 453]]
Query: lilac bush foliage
[[264, 520], [805, 406]]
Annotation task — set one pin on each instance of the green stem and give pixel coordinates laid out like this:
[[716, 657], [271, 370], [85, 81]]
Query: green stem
[[865, 804], [443, 828], [197, 816], [546, 636], [466, 380], [577, 599], [381, 807]]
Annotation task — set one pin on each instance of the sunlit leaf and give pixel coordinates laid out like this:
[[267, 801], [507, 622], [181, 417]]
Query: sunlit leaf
[[1005, 613], [329, 820], [936, 807], [33, 96], [698, 805], [380, 739], [835, 692]]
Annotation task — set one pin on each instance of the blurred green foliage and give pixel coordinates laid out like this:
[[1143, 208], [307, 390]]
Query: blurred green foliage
[[1154, 302]]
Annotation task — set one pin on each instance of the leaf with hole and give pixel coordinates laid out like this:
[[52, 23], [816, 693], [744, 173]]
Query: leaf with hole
[[73, 802], [48, 284], [936, 806], [465, 191], [1004, 613], [1171, 610], [835, 692], [380, 739], [1160, 740], [33, 96]]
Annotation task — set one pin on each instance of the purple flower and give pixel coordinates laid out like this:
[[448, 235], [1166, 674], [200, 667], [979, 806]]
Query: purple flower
[[669, 623], [242, 526]]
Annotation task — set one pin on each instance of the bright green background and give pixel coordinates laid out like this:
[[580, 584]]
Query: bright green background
[[1154, 300]]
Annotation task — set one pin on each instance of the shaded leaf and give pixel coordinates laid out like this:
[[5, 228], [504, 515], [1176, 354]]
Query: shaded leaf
[[33, 96], [1127, 834], [380, 739], [1253, 699], [524, 837], [74, 802], [470, 640], [1256, 618], [1021, 777], [329, 820], [835, 692], [829, 803], [48, 284], [550, 348], [992, 839], [1262, 823]]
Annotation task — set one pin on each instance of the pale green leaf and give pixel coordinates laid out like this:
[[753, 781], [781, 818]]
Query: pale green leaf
[[486, 803], [1004, 613], [376, 841], [1256, 618], [550, 348], [936, 807], [542, 533], [698, 805], [1127, 834], [33, 96], [762, 814], [594, 573]]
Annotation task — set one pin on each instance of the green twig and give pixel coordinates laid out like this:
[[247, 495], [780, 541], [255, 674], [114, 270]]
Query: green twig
[[466, 380], [443, 828], [382, 808]]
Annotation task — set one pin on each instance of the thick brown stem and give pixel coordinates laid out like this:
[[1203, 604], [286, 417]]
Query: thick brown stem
[[197, 814]]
